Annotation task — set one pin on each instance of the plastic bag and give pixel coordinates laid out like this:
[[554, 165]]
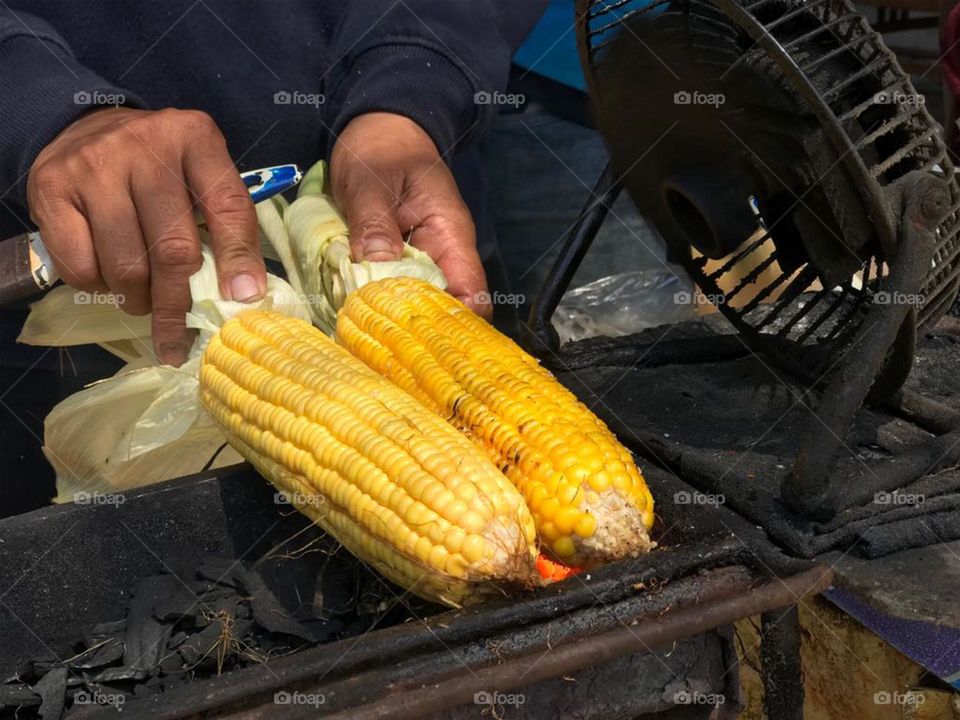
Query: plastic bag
[[625, 303]]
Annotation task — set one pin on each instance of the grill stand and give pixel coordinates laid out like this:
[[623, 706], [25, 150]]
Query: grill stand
[[780, 664], [808, 488]]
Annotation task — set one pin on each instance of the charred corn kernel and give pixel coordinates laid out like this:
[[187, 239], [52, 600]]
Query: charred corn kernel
[[588, 498], [563, 547], [366, 461]]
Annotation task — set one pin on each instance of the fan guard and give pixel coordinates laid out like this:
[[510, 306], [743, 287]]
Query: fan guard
[[821, 131]]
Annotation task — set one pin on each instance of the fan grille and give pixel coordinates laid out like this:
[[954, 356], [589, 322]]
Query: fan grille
[[834, 68]]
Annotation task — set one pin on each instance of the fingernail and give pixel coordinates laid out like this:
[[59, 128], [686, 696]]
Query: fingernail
[[378, 247], [466, 299], [244, 288], [173, 354]]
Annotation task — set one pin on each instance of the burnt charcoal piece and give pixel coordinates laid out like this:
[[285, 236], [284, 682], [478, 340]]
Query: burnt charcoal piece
[[171, 663], [221, 571], [103, 630], [52, 690], [121, 673], [14, 695], [146, 638], [182, 602], [269, 613], [201, 649], [101, 652]]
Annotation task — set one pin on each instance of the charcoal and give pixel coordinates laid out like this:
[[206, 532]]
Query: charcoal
[[268, 612], [52, 689], [105, 652], [121, 673], [171, 663], [242, 628], [201, 645], [222, 571], [18, 695], [215, 593], [176, 640], [117, 627], [146, 638], [179, 604], [42, 667]]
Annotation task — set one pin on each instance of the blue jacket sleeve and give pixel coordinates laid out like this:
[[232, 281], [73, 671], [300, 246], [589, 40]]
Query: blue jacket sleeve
[[42, 90], [437, 62]]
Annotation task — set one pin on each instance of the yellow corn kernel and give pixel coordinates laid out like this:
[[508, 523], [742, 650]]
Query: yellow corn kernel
[[558, 453], [366, 461]]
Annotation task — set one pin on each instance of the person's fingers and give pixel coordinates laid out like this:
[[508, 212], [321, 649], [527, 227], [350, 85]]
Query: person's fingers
[[66, 234], [173, 245], [228, 211], [120, 250], [459, 260], [445, 231], [371, 211]]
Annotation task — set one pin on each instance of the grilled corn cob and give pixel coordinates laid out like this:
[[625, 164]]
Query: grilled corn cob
[[399, 487], [588, 498]]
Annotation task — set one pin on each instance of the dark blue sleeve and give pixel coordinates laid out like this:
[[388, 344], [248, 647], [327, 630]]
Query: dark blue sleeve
[[42, 90], [434, 61]]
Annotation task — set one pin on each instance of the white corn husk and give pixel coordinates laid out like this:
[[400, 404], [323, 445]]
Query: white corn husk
[[145, 424]]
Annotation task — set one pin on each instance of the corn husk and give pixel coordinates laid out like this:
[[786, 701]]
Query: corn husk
[[62, 319], [318, 254], [145, 424]]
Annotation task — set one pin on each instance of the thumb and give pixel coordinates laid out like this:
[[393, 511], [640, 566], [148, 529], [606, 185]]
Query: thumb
[[371, 211]]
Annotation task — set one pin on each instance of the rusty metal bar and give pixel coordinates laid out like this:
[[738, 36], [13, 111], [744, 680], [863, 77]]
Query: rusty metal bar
[[459, 688]]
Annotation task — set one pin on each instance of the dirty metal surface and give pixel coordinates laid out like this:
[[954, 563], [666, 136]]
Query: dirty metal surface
[[916, 584], [732, 425]]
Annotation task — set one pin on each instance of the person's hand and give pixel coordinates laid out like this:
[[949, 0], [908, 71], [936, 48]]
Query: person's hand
[[113, 196], [392, 185]]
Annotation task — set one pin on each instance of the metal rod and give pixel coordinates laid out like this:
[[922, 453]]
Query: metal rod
[[780, 664], [932, 416], [539, 335], [461, 686]]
